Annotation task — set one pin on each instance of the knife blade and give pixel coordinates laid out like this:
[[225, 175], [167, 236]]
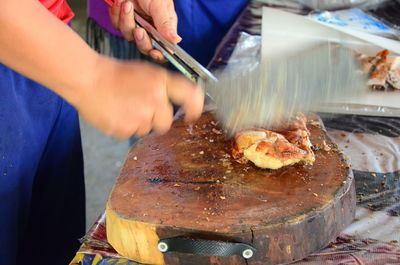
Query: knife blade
[[269, 95]]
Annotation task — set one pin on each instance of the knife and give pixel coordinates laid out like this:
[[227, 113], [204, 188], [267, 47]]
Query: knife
[[269, 95]]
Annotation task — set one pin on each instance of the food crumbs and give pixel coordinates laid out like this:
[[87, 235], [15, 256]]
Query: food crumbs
[[322, 185], [208, 219], [228, 171], [326, 146], [222, 197], [309, 189], [369, 231], [344, 182], [370, 204], [201, 152], [135, 158], [372, 216], [384, 176], [315, 195], [334, 246], [211, 140], [197, 188], [376, 190], [216, 131], [218, 181], [177, 185], [224, 177], [205, 209], [373, 174]]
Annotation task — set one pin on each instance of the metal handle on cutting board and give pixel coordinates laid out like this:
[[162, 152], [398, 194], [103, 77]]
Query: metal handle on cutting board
[[206, 247]]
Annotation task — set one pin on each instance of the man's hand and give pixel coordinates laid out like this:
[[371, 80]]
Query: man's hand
[[132, 98], [161, 12]]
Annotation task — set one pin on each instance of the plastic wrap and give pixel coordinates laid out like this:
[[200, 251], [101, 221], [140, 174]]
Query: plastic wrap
[[242, 50], [356, 19], [387, 12], [280, 37], [331, 4]]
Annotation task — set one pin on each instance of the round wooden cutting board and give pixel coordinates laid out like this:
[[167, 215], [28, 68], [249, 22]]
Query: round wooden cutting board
[[185, 184]]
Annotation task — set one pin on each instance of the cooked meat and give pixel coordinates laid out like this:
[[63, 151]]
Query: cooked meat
[[275, 149], [394, 74], [383, 70]]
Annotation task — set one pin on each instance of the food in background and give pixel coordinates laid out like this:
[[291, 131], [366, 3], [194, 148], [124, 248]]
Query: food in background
[[383, 70]]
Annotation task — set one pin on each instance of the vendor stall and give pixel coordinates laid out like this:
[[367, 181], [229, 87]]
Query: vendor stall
[[368, 133]]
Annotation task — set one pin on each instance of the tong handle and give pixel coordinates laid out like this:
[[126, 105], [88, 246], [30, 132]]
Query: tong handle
[[154, 35], [174, 54]]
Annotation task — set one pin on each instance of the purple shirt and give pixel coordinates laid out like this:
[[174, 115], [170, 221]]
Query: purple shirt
[[98, 11]]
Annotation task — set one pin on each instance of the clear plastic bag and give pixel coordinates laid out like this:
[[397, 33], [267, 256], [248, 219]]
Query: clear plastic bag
[[331, 4], [356, 19]]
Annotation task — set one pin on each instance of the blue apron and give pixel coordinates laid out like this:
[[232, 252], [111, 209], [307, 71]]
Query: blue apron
[[42, 203]]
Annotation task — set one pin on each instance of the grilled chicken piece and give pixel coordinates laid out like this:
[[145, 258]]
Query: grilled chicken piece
[[383, 70], [394, 74], [274, 149]]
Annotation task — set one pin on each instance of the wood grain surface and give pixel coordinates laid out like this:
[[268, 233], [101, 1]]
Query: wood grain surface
[[185, 183]]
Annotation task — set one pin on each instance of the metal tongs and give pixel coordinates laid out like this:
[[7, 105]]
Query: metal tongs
[[185, 63]]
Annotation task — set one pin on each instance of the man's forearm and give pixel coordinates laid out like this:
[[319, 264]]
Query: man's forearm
[[41, 47], [119, 98]]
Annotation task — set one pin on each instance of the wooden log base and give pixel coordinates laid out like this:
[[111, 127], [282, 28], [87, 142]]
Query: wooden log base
[[185, 184]]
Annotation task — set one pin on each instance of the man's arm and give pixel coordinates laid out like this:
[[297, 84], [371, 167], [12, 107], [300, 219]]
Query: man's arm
[[120, 98], [35, 43]]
